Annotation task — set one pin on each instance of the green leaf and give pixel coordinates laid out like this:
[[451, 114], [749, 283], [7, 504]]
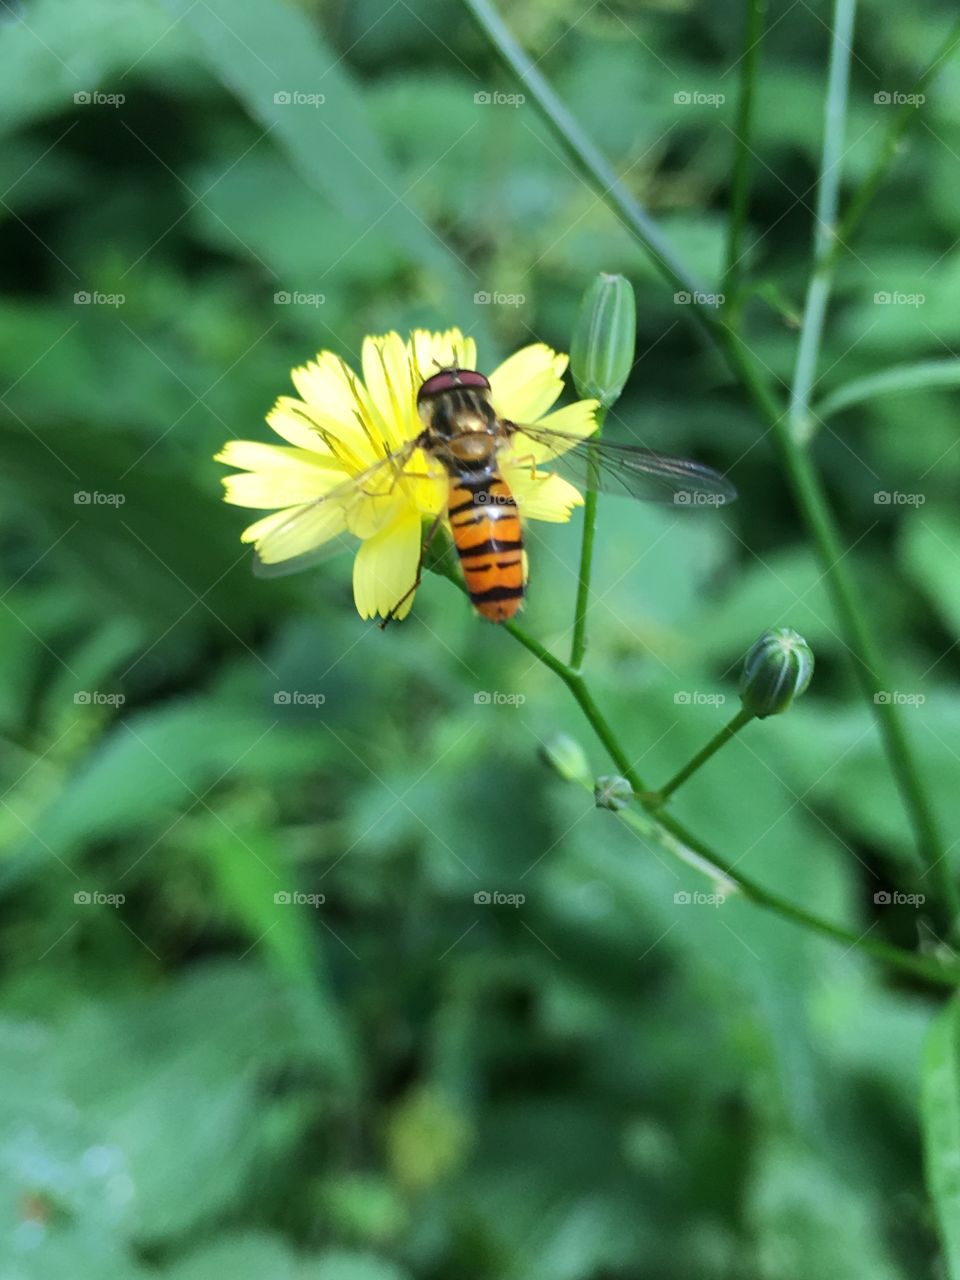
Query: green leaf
[[916, 376], [269, 53], [940, 1112]]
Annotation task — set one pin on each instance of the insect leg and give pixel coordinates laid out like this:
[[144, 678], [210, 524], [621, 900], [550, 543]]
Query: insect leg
[[431, 533]]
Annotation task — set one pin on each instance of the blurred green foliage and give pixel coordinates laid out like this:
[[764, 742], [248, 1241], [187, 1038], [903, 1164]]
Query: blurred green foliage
[[401, 1081]]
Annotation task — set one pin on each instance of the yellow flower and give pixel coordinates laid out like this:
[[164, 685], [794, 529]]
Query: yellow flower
[[341, 425]]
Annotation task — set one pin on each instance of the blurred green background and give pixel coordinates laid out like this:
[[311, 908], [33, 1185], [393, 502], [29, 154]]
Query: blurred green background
[[601, 1083]]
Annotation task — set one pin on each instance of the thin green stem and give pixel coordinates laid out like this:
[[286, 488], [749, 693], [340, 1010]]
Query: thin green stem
[[740, 189], [672, 836], [804, 479], [577, 686], [579, 645], [828, 188], [728, 731]]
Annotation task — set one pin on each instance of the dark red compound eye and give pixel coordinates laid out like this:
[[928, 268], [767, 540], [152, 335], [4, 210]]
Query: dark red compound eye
[[450, 380]]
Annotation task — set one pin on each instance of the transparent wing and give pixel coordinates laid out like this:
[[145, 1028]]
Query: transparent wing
[[625, 469], [319, 525]]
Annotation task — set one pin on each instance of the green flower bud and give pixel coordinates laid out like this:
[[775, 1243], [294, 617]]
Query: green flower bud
[[604, 340], [567, 756], [776, 670], [612, 792]]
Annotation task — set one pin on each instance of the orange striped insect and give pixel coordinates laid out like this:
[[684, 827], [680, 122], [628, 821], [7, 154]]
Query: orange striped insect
[[463, 433]]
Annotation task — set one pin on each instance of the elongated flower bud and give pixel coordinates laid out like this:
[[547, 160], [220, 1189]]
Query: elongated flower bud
[[567, 756], [604, 340], [777, 669]]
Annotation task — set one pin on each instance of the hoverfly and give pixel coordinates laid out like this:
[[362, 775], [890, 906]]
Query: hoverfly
[[463, 434]]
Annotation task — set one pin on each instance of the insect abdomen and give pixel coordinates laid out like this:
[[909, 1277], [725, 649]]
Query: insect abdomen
[[487, 535]]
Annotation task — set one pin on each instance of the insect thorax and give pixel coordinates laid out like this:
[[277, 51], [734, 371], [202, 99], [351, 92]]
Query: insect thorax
[[462, 429]]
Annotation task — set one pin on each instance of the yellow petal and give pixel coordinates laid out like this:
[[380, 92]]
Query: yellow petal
[[433, 351], [543, 496], [286, 534], [385, 567], [279, 486], [578, 419], [389, 380], [250, 455], [528, 383], [309, 427]]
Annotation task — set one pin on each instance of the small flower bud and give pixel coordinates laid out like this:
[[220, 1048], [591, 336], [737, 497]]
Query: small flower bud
[[567, 756], [604, 340], [777, 669], [612, 792]]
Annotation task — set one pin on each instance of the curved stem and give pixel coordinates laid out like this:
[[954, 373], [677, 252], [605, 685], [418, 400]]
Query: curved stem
[[805, 482], [703, 755], [579, 645], [672, 836], [828, 188], [740, 190]]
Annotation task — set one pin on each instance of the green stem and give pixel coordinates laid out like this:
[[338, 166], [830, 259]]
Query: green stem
[[726, 733], [740, 190], [804, 479], [577, 686], [828, 188], [672, 836], [579, 645]]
